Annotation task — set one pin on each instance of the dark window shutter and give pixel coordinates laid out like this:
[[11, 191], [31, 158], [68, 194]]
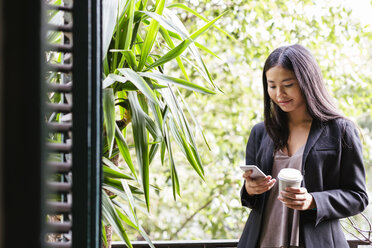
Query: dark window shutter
[[73, 73]]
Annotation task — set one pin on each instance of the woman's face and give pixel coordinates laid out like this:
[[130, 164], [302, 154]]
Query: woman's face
[[284, 90]]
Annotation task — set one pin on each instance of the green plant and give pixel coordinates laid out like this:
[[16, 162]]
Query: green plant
[[143, 105]]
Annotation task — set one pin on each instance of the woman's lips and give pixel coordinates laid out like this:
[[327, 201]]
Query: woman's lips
[[284, 102]]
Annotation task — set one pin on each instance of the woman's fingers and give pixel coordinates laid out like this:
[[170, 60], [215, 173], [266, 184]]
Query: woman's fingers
[[294, 194], [259, 186], [255, 186], [265, 187], [298, 199], [247, 174], [301, 190]]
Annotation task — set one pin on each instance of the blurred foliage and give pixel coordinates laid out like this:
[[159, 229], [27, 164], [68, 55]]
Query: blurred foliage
[[342, 46], [144, 111]]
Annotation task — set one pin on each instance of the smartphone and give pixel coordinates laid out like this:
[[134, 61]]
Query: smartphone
[[256, 172]]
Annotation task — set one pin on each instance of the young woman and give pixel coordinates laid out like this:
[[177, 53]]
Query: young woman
[[302, 130]]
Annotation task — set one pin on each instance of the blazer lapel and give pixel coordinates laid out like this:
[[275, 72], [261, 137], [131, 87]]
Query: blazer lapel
[[269, 155], [315, 132]]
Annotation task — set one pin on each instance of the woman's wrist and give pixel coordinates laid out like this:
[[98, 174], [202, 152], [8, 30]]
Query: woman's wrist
[[312, 203]]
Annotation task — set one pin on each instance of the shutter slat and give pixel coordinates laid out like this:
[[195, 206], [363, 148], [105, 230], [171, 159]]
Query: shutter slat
[[62, 108], [59, 187], [61, 28], [59, 127], [56, 147], [60, 88], [59, 7], [59, 48], [58, 207], [62, 167], [65, 68], [58, 245], [59, 227]]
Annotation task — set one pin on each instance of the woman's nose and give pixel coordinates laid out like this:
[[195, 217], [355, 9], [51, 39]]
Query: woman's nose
[[279, 91]]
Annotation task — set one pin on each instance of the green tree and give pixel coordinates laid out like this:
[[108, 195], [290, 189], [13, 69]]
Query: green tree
[[342, 47]]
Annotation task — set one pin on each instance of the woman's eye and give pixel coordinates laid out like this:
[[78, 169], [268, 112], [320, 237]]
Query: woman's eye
[[288, 85], [272, 87]]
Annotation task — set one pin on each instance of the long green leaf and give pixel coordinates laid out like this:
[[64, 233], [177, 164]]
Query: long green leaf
[[180, 82], [110, 164], [108, 172], [146, 237], [205, 49], [153, 129], [172, 54], [140, 83], [200, 31], [192, 48], [129, 27], [162, 152], [116, 37], [178, 37], [178, 50], [177, 125], [170, 43], [109, 14], [109, 213], [153, 150], [125, 84], [126, 219], [151, 35], [106, 69], [200, 61], [174, 175], [109, 114], [186, 130], [115, 183], [194, 119], [141, 143], [130, 198], [171, 110], [131, 220], [104, 236], [155, 109], [182, 6], [166, 24], [185, 147], [139, 47], [124, 150], [129, 56], [112, 78], [121, 193]]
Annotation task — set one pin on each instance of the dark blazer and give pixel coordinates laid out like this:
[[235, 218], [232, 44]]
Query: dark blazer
[[333, 173]]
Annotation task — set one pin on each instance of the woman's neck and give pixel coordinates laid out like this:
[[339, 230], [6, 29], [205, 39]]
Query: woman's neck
[[301, 117]]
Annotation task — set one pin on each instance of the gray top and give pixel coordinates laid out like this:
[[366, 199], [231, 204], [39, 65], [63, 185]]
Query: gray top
[[280, 226]]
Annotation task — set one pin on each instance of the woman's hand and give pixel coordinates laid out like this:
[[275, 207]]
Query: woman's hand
[[297, 198], [259, 185]]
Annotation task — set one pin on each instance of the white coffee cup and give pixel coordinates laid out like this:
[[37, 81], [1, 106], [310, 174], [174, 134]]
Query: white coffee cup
[[289, 177]]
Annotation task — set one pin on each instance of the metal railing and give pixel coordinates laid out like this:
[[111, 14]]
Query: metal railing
[[204, 243]]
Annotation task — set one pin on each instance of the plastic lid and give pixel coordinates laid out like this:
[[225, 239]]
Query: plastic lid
[[290, 174]]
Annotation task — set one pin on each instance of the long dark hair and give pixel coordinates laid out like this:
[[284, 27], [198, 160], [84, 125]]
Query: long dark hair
[[319, 103]]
